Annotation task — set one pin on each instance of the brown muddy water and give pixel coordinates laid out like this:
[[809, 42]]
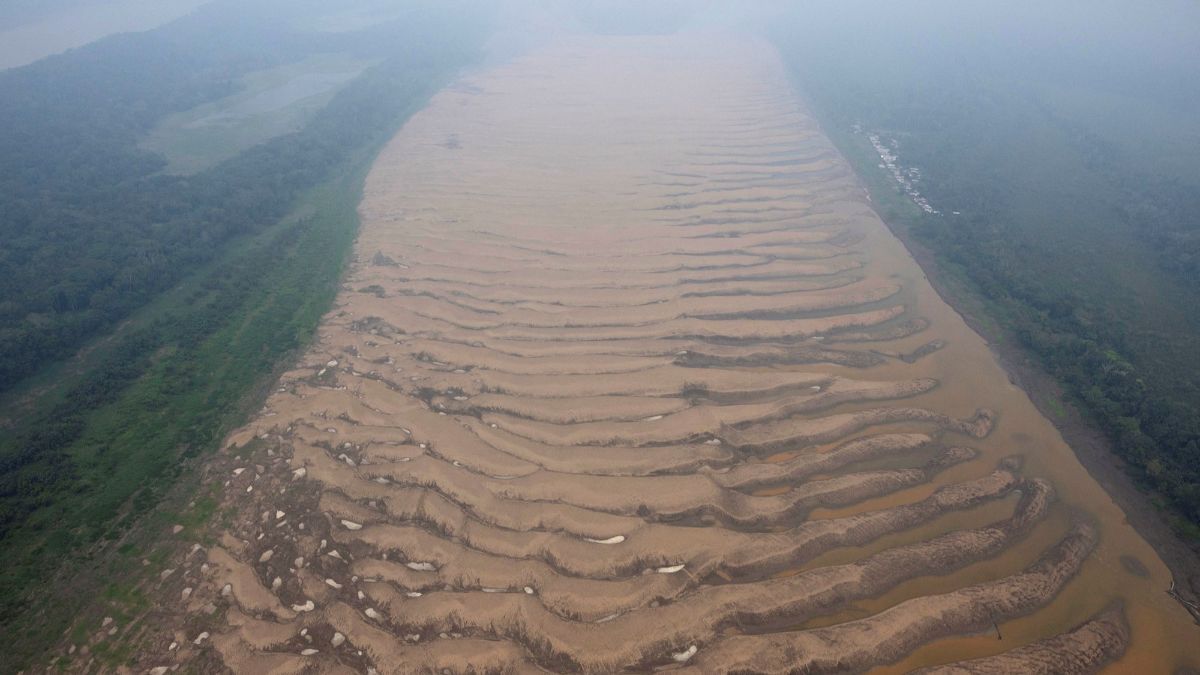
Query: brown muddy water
[[615, 382]]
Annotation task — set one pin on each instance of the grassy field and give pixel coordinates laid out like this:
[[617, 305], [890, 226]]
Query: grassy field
[[268, 103]]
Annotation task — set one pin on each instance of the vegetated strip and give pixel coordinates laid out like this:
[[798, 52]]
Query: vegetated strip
[[82, 472], [1081, 341]]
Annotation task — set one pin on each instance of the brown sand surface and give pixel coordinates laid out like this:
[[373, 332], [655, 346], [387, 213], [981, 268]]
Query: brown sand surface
[[626, 373]]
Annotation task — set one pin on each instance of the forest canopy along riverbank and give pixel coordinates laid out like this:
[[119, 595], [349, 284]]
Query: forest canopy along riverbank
[[1044, 180], [188, 292]]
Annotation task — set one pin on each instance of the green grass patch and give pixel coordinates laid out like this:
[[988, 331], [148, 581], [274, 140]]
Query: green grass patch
[[268, 103]]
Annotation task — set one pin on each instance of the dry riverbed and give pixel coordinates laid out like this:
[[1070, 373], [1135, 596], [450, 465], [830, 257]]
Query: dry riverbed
[[628, 374]]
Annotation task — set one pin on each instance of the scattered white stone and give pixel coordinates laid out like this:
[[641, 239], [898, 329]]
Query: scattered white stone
[[238, 471], [529, 590], [713, 441], [298, 562], [413, 594], [334, 554], [337, 640], [158, 670], [351, 525], [611, 540], [815, 387], [226, 590], [371, 613], [299, 473], [333, 584], [279, 514], [655, 418], [200, 638], [420, 566], [107, 620], [413, 637], [266, 555], [276, 583], [332, 364], [185, 594], [173, 646], [176, 529], [309, 652], [683, 656], [306, 607], [669, 570]]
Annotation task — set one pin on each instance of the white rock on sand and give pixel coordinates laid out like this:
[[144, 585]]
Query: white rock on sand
[[683, 656]]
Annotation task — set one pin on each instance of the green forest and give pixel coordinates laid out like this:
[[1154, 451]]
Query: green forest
[[143, 313], [1066, 197]]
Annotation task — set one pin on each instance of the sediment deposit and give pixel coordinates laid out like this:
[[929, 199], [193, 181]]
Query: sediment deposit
[[626, 373]]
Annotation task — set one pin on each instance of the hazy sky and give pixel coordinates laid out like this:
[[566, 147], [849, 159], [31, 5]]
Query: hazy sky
[[28, 34]]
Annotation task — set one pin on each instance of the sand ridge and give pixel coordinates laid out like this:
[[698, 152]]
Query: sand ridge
[[627, 374]]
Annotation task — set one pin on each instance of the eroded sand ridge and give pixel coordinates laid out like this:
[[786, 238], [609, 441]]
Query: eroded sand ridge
[[628, 374]]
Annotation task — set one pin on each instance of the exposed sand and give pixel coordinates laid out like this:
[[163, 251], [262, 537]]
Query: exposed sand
[[627, 374]]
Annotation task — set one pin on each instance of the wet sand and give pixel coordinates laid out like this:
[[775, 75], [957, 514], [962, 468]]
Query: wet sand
[[628, 374]]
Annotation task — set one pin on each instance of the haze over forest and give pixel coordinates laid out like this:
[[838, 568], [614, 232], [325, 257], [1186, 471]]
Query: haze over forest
[[586, 335]]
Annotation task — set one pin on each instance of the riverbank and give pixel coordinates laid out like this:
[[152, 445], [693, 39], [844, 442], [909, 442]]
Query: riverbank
[[1090, 445]]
